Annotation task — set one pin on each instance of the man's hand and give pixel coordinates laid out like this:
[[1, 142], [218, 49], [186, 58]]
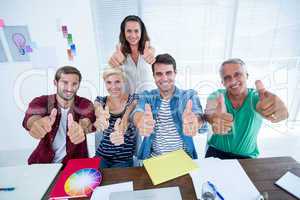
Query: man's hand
[[148, 53], [190, 120], [42, 126], [102, 117], [117, 136], [269, 105], [118, 58], [75, 131], [145, 122], [221, 121]]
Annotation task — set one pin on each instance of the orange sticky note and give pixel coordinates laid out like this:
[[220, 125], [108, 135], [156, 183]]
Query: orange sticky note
[[70, 56]]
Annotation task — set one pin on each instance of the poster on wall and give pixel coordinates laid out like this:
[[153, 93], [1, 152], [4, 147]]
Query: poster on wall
[[3, 57], [18, 40]]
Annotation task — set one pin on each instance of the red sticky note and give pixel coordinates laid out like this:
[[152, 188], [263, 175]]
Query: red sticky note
[[1, 23]]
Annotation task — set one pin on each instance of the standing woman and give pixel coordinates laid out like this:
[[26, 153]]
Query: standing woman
[[118, 134], [135, 54]]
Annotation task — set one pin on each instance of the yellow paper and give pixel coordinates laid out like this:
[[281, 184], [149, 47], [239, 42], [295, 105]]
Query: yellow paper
[[169, 166]]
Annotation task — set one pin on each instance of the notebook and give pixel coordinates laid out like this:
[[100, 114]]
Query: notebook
[[28, 181], [150, 194], [78, 179], [169, 166], [291, 183]]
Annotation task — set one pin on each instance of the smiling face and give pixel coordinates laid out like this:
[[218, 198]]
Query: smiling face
[[234, 78], [164, 76], [67, 86], [114, 85], [132, 33]]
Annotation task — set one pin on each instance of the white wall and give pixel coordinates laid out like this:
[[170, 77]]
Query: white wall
[[30, 79]]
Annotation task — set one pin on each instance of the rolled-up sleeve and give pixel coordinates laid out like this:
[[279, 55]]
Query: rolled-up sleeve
[[36, 107]]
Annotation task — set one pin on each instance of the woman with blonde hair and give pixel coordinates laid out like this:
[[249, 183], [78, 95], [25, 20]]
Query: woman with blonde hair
[[118, 134]]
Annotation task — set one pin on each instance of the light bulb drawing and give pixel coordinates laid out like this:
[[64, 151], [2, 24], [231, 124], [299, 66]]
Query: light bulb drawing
[[20, 42]]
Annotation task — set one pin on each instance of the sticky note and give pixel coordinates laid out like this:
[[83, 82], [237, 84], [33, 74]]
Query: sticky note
[[70, 39], [70, 56], [169, 166], [1, 23], [73, 49], [28, 49], [64, 29]]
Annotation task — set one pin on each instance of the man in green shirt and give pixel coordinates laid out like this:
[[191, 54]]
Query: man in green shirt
[[236, 112]]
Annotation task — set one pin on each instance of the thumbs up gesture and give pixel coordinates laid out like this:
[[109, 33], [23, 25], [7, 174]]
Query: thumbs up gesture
[[117, 136], [118, 58], [102, 117], [221, 120], [148, 53], [43, 125], [75, 131], [269, 105], [146, 123], [190, 120]]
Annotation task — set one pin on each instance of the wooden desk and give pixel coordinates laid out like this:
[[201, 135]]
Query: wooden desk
[[263, 172]]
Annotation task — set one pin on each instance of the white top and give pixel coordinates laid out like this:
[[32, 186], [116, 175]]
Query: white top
[[139, 76], [59, 143], [167, 138]]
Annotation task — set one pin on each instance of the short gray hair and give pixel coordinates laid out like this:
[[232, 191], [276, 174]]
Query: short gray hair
[[232, 61]]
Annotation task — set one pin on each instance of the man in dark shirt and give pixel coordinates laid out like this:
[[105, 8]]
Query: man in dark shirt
[[60, 121]]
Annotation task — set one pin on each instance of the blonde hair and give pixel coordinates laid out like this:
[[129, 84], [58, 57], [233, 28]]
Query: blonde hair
[[113, 71]]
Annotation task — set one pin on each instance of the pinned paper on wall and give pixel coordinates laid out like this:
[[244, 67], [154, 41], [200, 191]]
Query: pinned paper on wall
[[70, 55], [64, 31], [70, 39], [2, 23], [18, 40], [73, 49], [3, 57], [28, 49]]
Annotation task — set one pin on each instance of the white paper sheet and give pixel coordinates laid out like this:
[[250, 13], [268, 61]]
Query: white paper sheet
[[103, 192], [227, 175], [291, 183], [29, 181]]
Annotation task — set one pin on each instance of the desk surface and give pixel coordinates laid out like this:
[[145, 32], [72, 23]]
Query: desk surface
[[263, 172]]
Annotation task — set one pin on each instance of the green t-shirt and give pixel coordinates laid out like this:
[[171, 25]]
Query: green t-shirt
[[242, 139]]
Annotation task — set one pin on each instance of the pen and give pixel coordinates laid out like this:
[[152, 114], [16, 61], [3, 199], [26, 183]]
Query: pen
[[215, 189], [7, 188]]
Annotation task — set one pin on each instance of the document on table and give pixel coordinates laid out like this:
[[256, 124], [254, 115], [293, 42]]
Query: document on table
[[103, 192], [172, 193], [227, 176], [28, 181], [291, 183], [169, 166]]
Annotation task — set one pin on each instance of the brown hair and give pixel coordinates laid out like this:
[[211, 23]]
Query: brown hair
[[144, 35], [67, 70], [164, 59]]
